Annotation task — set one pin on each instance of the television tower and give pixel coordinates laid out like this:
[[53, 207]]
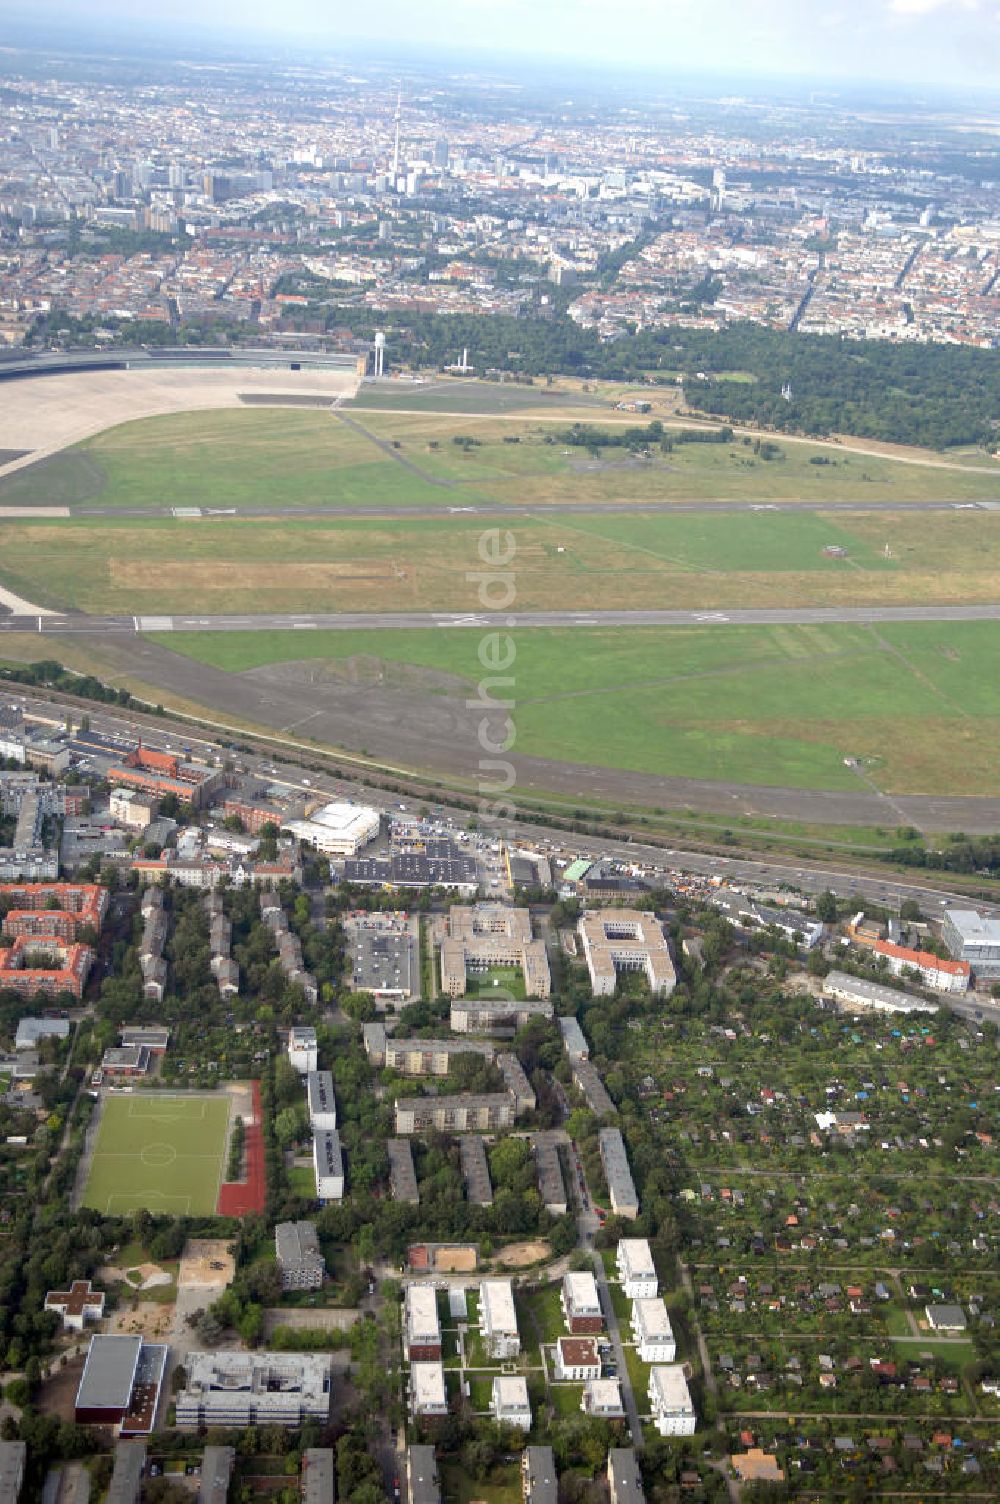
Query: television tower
[[395, 150]]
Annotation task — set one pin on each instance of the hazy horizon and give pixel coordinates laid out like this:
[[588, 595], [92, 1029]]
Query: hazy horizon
[[902, 43]]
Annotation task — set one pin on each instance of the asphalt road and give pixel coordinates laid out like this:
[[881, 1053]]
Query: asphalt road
[[345, 621]]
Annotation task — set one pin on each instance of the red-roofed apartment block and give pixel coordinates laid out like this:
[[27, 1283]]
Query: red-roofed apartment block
[[80, 905], [943, 976], [65, 967]]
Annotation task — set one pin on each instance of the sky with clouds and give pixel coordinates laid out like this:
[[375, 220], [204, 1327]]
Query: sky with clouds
[[905, 41]]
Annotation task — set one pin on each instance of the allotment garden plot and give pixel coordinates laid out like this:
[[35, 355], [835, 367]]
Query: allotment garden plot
[[162, 1153]]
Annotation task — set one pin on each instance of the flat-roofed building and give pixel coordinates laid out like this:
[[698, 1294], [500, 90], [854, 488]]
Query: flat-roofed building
[[337, 829], [475, 1169], [636, 1269], [974, 938], [578, 1359], [602, 1399], [120, 1384], [574, 1039], [328, 1163], [13, 1456], [320, 1099], [621, 1186], [421, 1324], [254, 1389], [126, 1478], [510, 1403], [422, 1475], [318, 1476], [624, 1477], [859, 992], [303, 1048], [77, 1305], [428, 1395], [428, 1057], [498, 1318], [386, 959], [463, 1112], [670, 1401], [496, 1015], [402, 1175], [517, 1082], [31, 1031], [484, 935], [106, 1383], [652, 1332], [551, 1186], [581, 1303], [539, 1480], [617, 940], [216, 1474], [587, 1080], [299, 1259]]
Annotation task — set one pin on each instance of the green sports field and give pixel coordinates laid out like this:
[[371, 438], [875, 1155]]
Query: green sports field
[[161, 1153]]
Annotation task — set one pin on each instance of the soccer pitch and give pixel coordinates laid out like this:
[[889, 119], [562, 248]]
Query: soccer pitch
[[163, 1153]]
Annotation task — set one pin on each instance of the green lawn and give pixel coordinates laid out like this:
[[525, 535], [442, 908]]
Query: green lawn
[[263, 457], [162, 1153], [919, 703], [699, 561], [302, 1181], [503, 1486], [498, 981], [565, 1399], [543, 1317]]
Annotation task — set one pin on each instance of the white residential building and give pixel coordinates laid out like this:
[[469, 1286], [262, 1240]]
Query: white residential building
[[498, 1318], [510, 1405], [602, 1398], [636, 1269], [670, 1401], [577, 1359], [328, 1163], [421, 1326], [428, 1395], [321, 1101], [652, 1332], [303, 1051], [581, 1304]]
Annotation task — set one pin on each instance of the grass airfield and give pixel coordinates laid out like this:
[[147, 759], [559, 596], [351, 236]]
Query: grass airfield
[[917, 706]]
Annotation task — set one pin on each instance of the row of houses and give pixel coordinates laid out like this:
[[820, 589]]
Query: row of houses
[[288, 944]]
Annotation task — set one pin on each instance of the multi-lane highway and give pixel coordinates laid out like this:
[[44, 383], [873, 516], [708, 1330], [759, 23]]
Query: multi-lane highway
[[334, 621]]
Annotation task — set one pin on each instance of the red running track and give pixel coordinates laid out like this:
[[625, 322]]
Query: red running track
[[240, 1198]]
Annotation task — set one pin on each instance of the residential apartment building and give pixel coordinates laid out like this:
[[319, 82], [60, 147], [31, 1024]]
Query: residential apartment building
[[670, 1401], [510, 1404], [577, 1359], [498, 1318], [328, 1163], [581, 1303], [614, 1160], [636, 1269], [428, 1395], [652, 1332], [298, 1255], [421, 1325], [460, 1113]]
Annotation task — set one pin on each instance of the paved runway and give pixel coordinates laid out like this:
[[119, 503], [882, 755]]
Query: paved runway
[[536, 509], [345, 621]]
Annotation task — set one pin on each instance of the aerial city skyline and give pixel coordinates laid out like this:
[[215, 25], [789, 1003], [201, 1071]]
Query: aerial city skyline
[[499, 795]]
